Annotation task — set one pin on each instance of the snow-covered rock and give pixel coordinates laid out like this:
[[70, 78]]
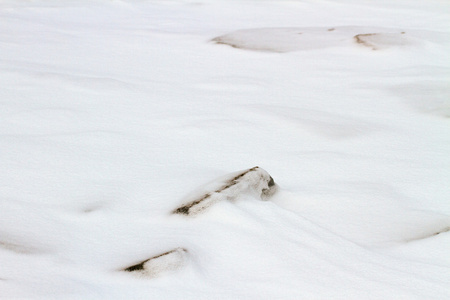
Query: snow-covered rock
[[255, 181]]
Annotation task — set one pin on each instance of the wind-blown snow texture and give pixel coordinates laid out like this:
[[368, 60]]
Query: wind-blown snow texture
[[113, 113]]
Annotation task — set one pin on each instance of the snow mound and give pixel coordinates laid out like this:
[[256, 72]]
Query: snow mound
[[308, 38], [255, 181]]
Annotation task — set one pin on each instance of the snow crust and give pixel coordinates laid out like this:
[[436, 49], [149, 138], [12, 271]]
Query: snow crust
[[113, 113]]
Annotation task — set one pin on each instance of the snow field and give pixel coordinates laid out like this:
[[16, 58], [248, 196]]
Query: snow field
[[113, 113]]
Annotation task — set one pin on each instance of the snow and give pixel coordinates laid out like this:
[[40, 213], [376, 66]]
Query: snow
[[113, 113], [297, 39], [255, 182]]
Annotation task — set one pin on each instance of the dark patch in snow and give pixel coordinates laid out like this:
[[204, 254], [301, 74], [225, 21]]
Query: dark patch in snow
[[140, 266], [264, 182], [360, 39], [154, 266], [137, 267], [185, 208], [331, 29], [384, 40]]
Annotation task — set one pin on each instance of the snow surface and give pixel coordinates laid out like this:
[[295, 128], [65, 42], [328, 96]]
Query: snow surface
[[296, 39], [114, 112]]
